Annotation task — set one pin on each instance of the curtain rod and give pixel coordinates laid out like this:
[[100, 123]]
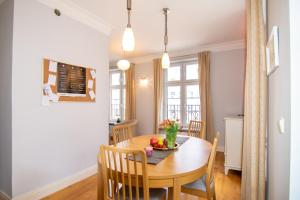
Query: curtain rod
[[189, 57]]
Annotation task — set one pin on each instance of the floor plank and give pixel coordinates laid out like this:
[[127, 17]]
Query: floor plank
[[227, 187]]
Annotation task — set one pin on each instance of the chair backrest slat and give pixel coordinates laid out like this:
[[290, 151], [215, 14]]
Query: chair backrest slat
[[111, 178], [116, 174], [211, 160], [197, 129], [122, 175], [123, 131], [120, 167]]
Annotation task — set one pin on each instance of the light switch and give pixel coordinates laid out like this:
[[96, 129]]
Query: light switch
[[281, 123]]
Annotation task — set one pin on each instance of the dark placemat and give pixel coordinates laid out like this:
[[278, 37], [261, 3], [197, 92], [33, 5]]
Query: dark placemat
[[158, 156]]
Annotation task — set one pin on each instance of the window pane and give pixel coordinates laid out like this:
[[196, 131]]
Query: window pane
[[192, 91], [174, 112], [115, 94], [115, 79], [191, 72], [174, 92], [174, 102], [174, 73], [115, 104], [192, 103]]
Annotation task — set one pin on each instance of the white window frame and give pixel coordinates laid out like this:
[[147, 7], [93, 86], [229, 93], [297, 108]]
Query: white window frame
[[121, 88], [182, 83]]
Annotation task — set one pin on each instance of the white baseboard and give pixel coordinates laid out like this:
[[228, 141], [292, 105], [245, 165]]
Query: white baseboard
[[220, 149], [3, 196], [56, 186]]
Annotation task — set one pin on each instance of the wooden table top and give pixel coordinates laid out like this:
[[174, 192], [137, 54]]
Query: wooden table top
[[188, 158]]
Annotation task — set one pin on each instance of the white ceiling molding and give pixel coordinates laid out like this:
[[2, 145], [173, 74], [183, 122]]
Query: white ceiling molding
[[183, 54], [79, 14]]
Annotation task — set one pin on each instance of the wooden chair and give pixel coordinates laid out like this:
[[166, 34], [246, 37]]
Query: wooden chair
[[205, 186], [134, 186], [197, 129], [132, 123], [123, 131]]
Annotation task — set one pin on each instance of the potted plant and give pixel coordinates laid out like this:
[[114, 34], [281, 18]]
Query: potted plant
[[171, 128]]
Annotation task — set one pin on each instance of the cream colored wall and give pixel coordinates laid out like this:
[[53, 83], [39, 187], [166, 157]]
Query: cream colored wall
[[144, 99]]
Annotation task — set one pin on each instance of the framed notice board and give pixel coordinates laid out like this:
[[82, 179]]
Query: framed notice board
[[66, 82]]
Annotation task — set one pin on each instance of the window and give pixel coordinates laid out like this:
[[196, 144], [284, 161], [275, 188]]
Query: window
[[117, 95], [182, 99]]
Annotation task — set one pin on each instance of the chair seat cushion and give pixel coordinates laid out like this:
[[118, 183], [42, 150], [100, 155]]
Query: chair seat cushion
[[155, 194], [199, 184]]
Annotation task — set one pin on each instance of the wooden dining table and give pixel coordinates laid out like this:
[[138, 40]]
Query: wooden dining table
[[186, 164]]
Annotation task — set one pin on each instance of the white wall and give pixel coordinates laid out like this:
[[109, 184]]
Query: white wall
[[6, 31], [227, 78], [227, 87], [51, 143], [295, 99], [279, 106], [144, 99]]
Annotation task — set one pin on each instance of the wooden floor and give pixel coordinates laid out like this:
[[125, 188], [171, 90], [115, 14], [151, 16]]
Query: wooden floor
[[227, 187]]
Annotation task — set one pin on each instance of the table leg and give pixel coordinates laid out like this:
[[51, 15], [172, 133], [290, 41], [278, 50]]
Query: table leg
[[100, 188], [170, 193], [174, 192]]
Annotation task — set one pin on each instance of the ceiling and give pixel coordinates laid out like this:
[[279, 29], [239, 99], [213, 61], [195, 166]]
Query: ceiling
[[192, 23]]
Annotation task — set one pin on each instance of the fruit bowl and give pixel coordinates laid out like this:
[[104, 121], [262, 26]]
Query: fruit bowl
[[159, 143], [166, 148]]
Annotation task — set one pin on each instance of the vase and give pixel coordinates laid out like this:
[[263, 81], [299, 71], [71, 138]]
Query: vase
[[171, 138]]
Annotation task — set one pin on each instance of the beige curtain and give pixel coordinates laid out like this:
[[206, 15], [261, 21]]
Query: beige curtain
[[254, 159], [130, 111], [205, 94], [158, 93]]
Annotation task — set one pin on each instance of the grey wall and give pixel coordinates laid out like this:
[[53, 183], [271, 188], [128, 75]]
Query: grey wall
[[227, 87], [52, 143], [6, 35], [227, 78], [279, 106]]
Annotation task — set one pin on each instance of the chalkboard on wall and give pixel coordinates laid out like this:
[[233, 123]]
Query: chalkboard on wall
[[66, 82], [71, 80]]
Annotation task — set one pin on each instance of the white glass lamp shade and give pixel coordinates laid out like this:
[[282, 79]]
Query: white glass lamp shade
[[128, 42], [165, 61], [123, 64]]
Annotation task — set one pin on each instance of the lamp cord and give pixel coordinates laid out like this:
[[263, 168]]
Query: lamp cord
[[166, 30], [129, 13]]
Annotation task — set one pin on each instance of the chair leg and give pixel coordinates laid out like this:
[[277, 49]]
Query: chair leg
[[170, 193], [208, 195], [164, 197], [214, 194]]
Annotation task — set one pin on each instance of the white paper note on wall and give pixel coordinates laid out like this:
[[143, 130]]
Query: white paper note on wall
[[93, 74], [52, 66], [54, 98], [92, 94], [90, 84], [52, 79], [47, 89]]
